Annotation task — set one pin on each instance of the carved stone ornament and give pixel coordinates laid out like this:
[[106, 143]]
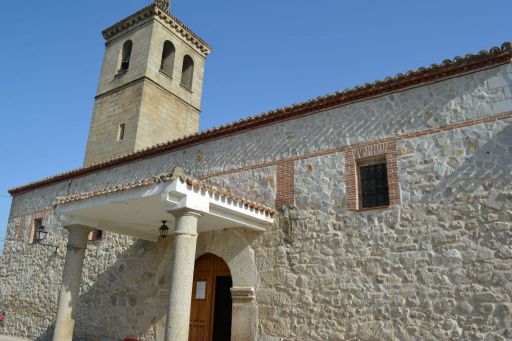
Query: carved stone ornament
[[163, 4], [242, 294]]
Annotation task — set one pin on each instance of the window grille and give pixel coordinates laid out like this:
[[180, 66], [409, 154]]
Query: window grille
[[374, 190]]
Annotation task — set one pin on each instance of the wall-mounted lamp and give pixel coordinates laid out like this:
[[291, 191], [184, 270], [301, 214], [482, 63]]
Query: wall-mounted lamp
[[164, 229], [41, 234]]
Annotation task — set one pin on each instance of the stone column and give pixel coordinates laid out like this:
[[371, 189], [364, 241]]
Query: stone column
[[71, 276], [181, 275]]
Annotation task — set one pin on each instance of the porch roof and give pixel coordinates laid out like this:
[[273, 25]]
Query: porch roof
[[138, 208]]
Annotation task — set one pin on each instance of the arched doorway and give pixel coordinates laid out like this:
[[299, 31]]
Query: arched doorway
[[210, 314]]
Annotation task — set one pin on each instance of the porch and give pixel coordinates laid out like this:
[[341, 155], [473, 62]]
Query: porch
[[188, 206]]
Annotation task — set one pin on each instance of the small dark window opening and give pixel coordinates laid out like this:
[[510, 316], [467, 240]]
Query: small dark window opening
[[99, 234], [126, 56], [168, 53], [96, 235], [121, 131], [373, 183], [187, 72]]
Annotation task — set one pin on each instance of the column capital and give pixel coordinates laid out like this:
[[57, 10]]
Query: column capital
[[78, 234], [185, 221], [181, 212]]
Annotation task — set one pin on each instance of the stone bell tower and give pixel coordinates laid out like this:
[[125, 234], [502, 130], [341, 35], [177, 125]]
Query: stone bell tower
[[150, 84]]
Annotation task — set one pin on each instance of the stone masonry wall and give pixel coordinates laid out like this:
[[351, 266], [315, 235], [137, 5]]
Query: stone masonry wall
[[163, 117], [109, 112], [153, 105], [474, 96], [159, 35], [437, 266]]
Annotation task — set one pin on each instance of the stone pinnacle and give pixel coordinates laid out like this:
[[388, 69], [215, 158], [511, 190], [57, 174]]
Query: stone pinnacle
[[163, 4]]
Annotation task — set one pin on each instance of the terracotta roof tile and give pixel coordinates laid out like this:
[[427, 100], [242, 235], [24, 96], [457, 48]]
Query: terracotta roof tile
[[448, 68], [161, 178]]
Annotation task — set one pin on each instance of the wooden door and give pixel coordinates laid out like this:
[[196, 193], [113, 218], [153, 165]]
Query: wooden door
[[210, 271]]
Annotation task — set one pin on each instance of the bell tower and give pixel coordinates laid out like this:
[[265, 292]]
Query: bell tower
[[150, 84]]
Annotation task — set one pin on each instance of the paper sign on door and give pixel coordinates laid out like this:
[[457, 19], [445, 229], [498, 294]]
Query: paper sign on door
[[201, 290]]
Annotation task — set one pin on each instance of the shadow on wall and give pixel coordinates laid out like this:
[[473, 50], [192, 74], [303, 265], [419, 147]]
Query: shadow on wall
[[468, 191], [128, 299], [420, 108], [457, 188], [488, 169], [474, 165], [114, 303]]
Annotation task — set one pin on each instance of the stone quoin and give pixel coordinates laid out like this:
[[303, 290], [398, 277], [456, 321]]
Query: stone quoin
[[382, 212]]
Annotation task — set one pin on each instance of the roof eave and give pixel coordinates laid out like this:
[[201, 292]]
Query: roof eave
[[450, 68], [154, 11]]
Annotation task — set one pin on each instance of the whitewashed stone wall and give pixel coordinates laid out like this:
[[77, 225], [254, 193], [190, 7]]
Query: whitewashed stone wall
[[436, 267]]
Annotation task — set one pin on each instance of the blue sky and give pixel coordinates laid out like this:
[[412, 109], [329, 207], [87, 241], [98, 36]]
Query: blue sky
[[267, 54]]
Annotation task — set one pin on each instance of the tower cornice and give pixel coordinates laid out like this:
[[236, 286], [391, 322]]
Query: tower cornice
[[153, 11]]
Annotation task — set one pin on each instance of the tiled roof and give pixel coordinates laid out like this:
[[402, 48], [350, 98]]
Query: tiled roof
[[165, 177], [435, 72]]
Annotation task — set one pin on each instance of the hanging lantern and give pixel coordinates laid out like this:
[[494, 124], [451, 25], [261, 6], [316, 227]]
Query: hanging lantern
[[41, 234], [164, 230]]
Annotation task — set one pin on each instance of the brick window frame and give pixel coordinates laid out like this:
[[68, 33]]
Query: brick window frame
[[36, 221], [355, 157], [285, 183]]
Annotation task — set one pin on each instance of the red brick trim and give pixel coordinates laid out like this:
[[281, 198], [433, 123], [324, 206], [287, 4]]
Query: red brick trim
[[434, 73], [351, 181], [386, 151], [373, 208], [392, 166], [407, 136], [285, 183]]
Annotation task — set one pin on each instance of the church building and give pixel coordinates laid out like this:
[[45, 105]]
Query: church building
[[381, 212]]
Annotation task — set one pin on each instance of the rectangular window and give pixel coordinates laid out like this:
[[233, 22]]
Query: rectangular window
[[372, 176], [120, 132], [96, 235], [373, 185]]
